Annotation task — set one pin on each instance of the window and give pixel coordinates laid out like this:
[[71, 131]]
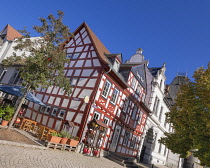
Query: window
[[154, 141], [161, 82], [96, 116], [165, 121], [156, 104], [165, 151], [3, 74], [138, 89], [160, 147], [139, 118], [15, 77], [133, 116], [54, 111], [114, 96], [133, 83], [106, 89], [61, 113], [125, 106], [116, 65], [132, 144], [73, 81], [47, 110], [126, 137], [106, 121], [160, 115], [73, 55], [42, 109]]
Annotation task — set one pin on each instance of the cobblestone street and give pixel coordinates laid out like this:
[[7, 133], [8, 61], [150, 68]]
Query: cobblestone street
[[25, 157]]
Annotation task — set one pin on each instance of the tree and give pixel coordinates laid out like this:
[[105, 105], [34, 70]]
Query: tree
[[190, 118], [45, 63]]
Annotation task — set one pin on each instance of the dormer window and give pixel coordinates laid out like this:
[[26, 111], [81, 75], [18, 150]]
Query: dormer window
[[116, 65]]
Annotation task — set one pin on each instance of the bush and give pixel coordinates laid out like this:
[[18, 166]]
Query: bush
[[65, 134], [57, 134], [8, 112]]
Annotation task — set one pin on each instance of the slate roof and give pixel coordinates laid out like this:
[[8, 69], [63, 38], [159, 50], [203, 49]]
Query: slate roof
[[10, 33], [154, 70]]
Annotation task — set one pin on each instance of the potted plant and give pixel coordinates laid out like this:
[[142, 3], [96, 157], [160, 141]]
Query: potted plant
[[73, 141], [54, 137], [7, 116], [65, 136]]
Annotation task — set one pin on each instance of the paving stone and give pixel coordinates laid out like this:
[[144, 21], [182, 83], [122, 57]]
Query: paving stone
[[12, 156]]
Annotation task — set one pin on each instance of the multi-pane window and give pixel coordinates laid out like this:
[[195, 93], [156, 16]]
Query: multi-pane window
[[42, 109], [114, 96], [125, 106], [15, 77], [96, 116], [54, 111], [47, 110], [106, 121], [73, 55], [61, 113], [132, 144], [106, 89], [160, 115], [126, 138], [133, 116]]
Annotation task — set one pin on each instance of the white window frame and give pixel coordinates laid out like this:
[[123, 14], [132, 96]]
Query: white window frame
[[106, 89], [42, 109], [114, 96], [60, 112], [98, 115], [106, 120], [54, 113], [46, 110], [72, 56]]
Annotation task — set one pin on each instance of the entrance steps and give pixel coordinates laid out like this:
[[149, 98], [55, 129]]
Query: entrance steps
[[124, 160]]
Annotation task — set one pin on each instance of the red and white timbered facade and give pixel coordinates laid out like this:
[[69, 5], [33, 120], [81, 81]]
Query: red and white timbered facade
[[116, 95]]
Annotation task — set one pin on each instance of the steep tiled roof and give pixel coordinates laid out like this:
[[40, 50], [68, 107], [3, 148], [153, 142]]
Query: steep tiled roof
[[101, 49], [10, 33]]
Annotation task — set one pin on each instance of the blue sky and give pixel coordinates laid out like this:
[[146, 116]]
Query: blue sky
[[175, 32]]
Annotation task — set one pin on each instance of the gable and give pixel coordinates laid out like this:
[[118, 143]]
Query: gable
[[139, 73]]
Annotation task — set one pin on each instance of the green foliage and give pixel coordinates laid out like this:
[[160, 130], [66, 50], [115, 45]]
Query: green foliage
[[76, 138], [57, 134], [190, 118], [65, 134], [45, 64], [2, 112], [8, 112]]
